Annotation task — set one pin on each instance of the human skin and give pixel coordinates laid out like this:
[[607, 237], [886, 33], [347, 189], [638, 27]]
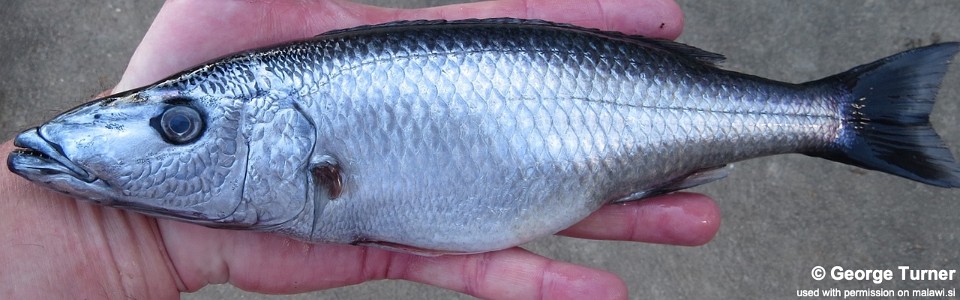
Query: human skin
[[52, 246]]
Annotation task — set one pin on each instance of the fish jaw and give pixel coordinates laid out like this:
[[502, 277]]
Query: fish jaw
[[42, 161], [39, 155]]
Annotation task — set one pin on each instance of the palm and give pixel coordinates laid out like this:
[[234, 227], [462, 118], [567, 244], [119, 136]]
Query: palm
[[188, 33]]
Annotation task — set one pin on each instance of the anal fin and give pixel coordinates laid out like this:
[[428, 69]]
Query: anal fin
[[696, 178], [395, 247]]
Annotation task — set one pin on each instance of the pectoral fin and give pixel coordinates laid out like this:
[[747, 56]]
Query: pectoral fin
[[326, 175]]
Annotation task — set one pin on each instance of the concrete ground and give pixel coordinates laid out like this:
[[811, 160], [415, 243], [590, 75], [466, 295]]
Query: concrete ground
[[782, 215]]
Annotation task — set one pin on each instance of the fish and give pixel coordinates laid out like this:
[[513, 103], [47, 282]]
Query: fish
[[467, 136]]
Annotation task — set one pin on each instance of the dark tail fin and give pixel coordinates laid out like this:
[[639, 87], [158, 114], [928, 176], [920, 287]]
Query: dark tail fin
[[887, 114]]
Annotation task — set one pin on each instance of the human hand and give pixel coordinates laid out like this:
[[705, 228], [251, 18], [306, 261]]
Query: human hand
[[52, 245]]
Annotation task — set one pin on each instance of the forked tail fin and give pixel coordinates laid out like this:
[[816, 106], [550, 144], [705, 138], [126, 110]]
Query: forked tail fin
[[887, 112]]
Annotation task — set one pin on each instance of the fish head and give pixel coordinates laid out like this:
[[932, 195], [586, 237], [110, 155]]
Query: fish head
[[157, 150]]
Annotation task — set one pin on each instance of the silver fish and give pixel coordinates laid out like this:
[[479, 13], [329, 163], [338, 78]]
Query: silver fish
[[468, 136]]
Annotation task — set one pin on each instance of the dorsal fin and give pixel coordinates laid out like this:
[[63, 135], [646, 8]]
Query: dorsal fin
[[695, 53], [679, 49]]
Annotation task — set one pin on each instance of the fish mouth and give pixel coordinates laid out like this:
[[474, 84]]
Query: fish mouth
[[37, 156]]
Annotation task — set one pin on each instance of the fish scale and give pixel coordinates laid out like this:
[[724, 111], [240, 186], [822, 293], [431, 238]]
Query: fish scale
[[470, 136], [548, 121]]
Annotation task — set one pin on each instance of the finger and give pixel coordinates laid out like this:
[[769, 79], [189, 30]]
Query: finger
[[678, 219], [509, 274], [186, 33], [268, 263], [255, 261]]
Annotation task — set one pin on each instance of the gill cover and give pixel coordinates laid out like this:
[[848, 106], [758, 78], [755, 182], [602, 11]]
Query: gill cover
[[281, 140]]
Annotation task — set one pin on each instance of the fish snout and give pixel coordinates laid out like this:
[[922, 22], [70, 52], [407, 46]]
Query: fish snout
[[36, 153]]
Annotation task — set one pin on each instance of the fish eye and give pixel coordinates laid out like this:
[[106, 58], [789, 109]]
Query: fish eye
[[180, 124]]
